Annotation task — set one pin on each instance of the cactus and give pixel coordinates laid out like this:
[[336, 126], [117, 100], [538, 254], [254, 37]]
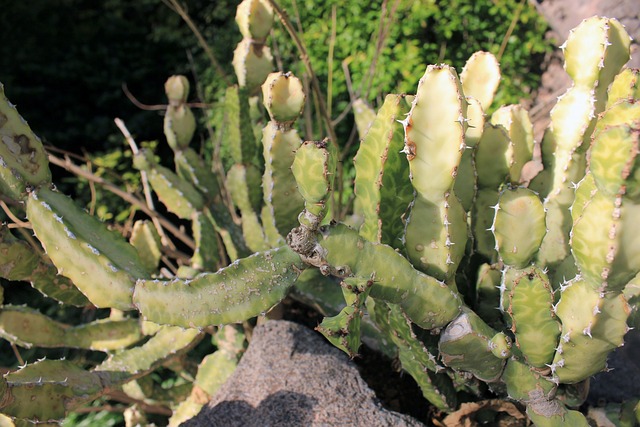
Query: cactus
[[521, 286]]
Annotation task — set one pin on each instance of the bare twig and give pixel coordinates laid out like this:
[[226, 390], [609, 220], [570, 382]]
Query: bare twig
[[17, 354], [332, 43], [156, 107], [177, 7], [17, 221], [512, 26]]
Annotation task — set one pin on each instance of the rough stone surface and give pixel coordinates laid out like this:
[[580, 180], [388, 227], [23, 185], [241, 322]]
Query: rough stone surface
[[290, 376]]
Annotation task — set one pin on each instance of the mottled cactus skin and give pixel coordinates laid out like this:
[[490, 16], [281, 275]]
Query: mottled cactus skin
[[474, 273]]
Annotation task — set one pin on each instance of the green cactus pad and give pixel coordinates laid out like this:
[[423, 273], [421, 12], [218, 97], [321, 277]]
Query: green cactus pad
[[98, 261], [179, 126], [281, 195], [283, 97], [314, 169], [464, 345], [435, 236], [45, 278], [625, 86], [492, 159], [254, 19], [146, 240], [487, 304], [364, 116], [593, 324], [603, 239], [252, 63], [526, 384], [482, 217], [191, 167], [17, 258], [434, 132], [23, 160], [206, 255], [480, 78], [515, 120], [46, 390], [178, 195], [27, 327], [343, 330], [382, 175], [244, 289], [239, 190], [517, 244], [426, 301], [466, 183], [613, 162], [528, 303], [237, 132]]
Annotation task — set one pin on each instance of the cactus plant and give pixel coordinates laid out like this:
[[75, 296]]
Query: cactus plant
[[523, 286]]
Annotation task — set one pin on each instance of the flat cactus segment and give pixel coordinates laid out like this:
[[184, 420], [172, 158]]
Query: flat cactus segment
[[614, 160], [435, 236], [191, 167], [416, 359], [526, 384], [27, 327], [168, 342], [593, 324], [46, 390], [595, 51], [98, 261], [515, 120], [434, 131], [382, 174], [178, 195], [466, 183], [238, 133], [487, 304], [343, 330], [17, 258], [146, 240], [252, 63], [281, 195], [238, 187], [283, 97], [45, 278], [603, 238], [482, 216], [364, 116], [179, 126], [464, 345], [254, 19], [517, 244], [480, 78], [625, 87], [23, 160], [426, 301], [242, 290], [492, 160], [104, 335], [529, 305], [314, 169]]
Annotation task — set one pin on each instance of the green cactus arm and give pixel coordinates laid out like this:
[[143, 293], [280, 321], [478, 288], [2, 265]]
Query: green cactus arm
[[45, 278], [239, 190], [487, 303], [480, 78], [98, 261], [416, 359], [343, 330], [235, 293], [364, 116], [465, 345], [128, 364], [252, 63], [281, 196], [314, 169], [179, 126], [515, 120], [482, 217], [46, 390], [528, 303], [17, 258], [382, 174], [593, 324], [283, 97], [146, 240], [435, 235], [516, 244], [625, 86], [603, 240], [207, 251], [23, 161], [434, 132], [426, 301], [191, 167], [492, 169], [178, 195], [255, 19], [238, 133], [466, 183]]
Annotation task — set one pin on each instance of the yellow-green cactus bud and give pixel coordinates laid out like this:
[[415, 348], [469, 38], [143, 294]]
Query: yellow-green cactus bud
[[177, 89], [255, 19], [283, 97]]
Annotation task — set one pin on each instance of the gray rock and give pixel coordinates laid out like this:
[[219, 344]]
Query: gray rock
[[290, 377]]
